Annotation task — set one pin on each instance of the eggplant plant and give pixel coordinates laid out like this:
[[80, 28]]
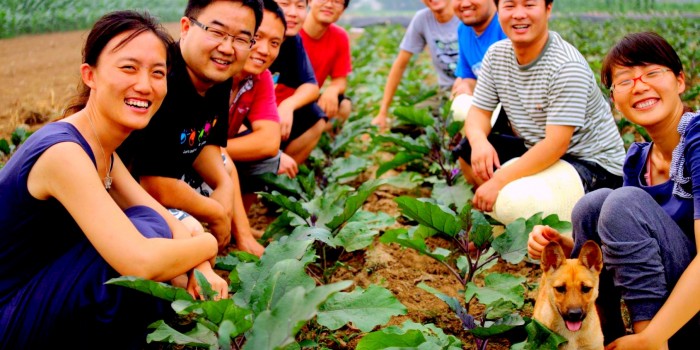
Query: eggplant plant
[[273, 298], [478, 249], [332, 216], [431, 148]]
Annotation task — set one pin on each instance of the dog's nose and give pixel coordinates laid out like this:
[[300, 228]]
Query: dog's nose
[[575, 314]]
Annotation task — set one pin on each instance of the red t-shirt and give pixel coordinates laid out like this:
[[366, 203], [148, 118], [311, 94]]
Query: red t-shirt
[[256, 101], [330, 54]]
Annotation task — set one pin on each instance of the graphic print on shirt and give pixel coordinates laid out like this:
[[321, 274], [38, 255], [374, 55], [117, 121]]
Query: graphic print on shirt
[[194, 139], [447, 52]]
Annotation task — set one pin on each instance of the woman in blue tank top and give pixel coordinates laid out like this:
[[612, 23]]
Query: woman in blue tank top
[[649, 228], [72, 216]]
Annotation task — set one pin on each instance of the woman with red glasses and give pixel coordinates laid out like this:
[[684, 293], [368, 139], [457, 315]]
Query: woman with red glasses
[[648, 228]]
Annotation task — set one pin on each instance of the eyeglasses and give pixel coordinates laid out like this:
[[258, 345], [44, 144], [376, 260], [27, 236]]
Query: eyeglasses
[[337, 3], [240, 42], [649, 77]]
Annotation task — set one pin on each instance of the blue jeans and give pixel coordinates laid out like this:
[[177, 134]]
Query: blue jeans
[[644, 250]]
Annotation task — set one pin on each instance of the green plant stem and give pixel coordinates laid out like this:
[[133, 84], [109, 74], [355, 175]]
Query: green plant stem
[[454, 272]]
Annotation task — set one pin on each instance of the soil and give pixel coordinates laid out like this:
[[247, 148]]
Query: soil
[[41, 72]]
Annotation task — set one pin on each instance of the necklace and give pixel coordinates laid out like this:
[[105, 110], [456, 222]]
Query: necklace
[[107, 179]]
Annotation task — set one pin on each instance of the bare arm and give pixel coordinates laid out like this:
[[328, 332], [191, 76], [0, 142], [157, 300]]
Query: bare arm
[[263, 142], [392, 83], [303, 95], [463, 86], [329, 98], [66, 173]]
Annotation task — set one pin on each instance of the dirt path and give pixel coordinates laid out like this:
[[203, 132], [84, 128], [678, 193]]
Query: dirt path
[[40, 72]]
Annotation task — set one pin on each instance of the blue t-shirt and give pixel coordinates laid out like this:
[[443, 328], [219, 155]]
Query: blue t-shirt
[[472, 48], [684, 211]]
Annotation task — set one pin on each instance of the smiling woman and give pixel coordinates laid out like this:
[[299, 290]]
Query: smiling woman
[[72, 217]]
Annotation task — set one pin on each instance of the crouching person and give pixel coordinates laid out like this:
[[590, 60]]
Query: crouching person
[[555, 108], [72, 217]]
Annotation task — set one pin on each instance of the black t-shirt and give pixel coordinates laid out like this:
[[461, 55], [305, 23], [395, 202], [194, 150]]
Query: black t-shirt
[[184, 124]]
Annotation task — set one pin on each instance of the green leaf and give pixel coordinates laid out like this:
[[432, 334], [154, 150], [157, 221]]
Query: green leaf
[[405, 180], [553, 221], [277, 327], [499, 327], [430, 214], [541, 337], [378, 220], [350, 131], [454, 128], [498, 286], [347, 169], [264, 290], [355, 235], [454, 304], [511, 245], [413, 116], [205, 286], [284, 184], [399, 159], [499, 309], [278, 228], [391, 339], [414, 238], [156, 289], [457, 195], [288, 203], [199, 337], [364, 308], [409, 144], [354, 202], [317, 233], [409, 335], [481, 232], [5, 147]]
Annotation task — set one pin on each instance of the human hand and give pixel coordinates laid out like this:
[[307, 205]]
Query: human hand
[[247, 243], [286, 112], [329, 103], [218, 284], [538, 239], [459, 87], [380, 121], [486, 195], [484, 160], [637, 341], [288, 166]]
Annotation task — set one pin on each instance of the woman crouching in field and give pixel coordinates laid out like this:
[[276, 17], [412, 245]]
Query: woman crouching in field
[[649, 228], [72, 217]]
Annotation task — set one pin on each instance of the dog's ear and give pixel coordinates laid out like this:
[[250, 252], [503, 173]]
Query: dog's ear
[[591, 256], [552, 256]]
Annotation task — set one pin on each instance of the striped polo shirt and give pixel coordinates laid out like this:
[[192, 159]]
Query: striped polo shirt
[[557, 88]]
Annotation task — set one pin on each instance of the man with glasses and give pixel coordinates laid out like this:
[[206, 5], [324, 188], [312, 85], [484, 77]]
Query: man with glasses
[[553, 103], [328, 47], [181, 146]]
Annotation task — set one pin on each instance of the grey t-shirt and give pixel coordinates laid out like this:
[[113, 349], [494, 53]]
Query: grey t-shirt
[[441, 39]]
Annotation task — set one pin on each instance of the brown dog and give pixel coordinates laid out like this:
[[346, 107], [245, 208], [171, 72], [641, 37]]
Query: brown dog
[[567, 293]]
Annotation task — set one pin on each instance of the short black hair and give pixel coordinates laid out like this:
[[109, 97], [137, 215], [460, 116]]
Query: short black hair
[[194, 7], [271, 5], [640, 49]]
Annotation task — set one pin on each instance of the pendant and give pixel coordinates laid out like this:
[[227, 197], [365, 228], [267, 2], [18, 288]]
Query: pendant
[[108, 182]]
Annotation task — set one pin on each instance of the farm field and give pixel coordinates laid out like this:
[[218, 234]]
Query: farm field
[[356, 210]]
